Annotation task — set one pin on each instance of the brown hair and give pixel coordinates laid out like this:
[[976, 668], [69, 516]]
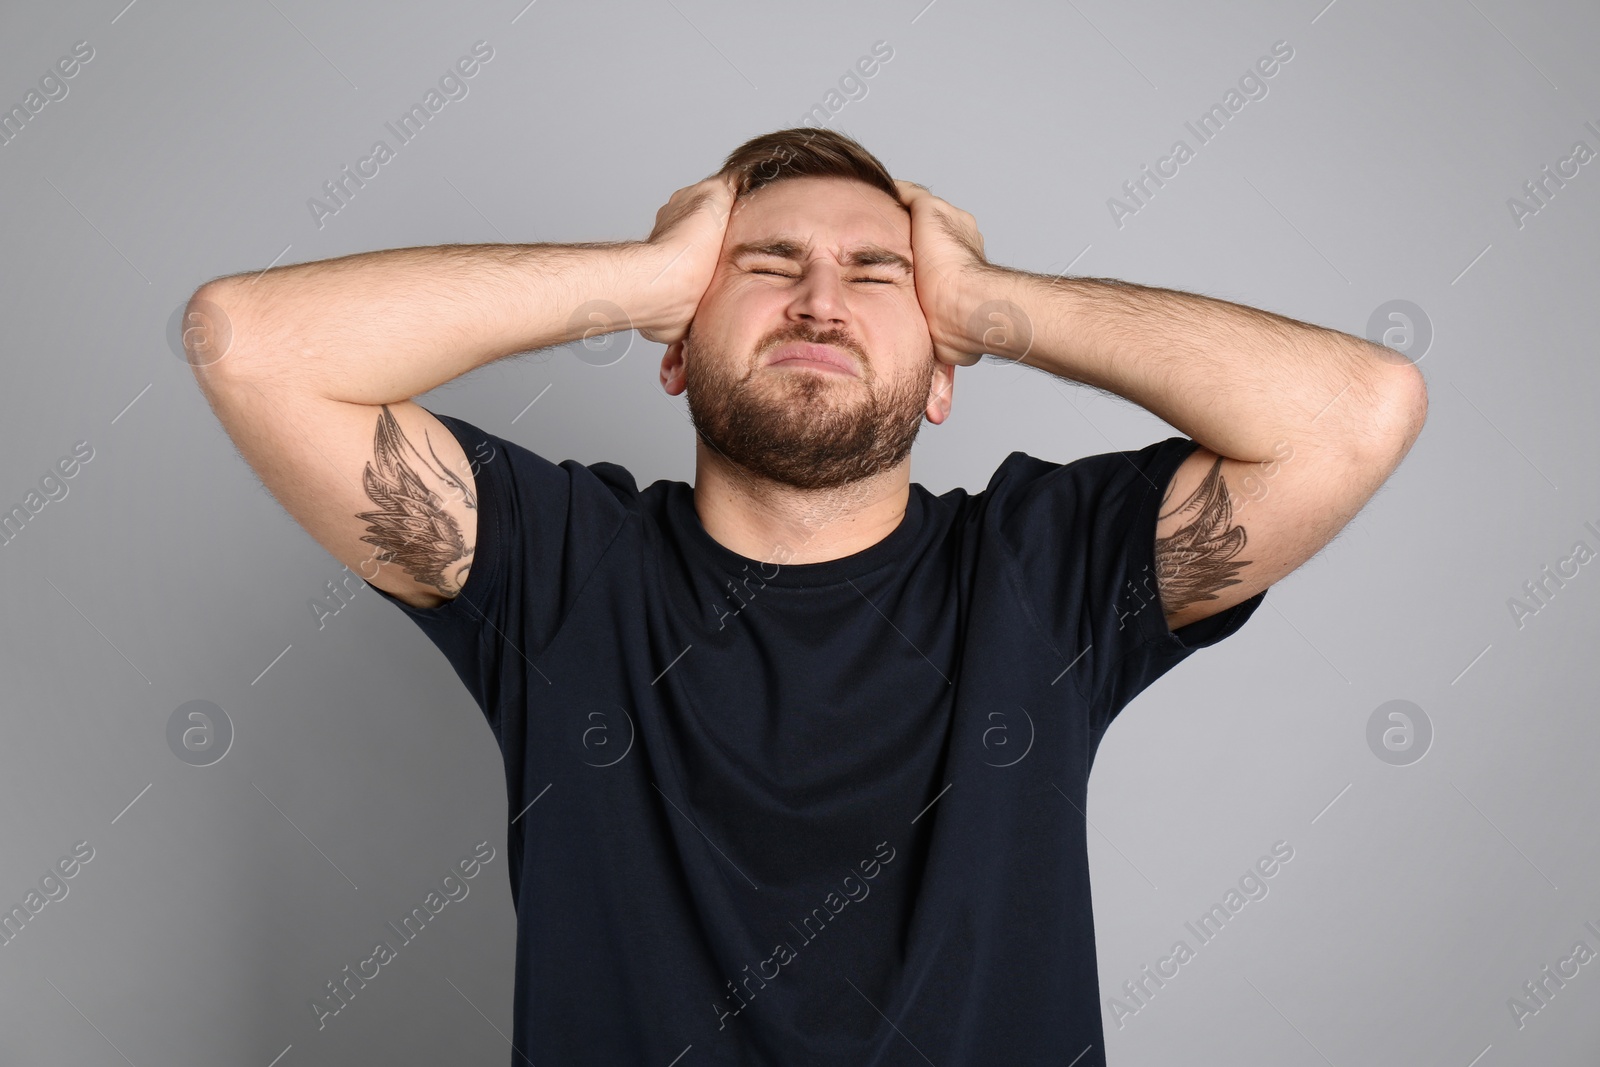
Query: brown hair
[[801, 152]]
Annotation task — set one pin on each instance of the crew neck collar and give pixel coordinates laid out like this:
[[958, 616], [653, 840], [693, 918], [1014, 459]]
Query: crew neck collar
[[827, 572]]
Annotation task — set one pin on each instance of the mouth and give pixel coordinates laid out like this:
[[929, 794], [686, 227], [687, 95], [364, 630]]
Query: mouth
[[826, 358]]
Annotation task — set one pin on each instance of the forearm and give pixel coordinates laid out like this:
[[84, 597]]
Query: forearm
[[1236, 379], [379, 327]]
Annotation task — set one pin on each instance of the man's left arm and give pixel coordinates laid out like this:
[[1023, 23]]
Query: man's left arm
[[1297, 426]]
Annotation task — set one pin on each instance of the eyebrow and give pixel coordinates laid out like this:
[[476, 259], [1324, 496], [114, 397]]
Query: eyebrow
[[785, 248]]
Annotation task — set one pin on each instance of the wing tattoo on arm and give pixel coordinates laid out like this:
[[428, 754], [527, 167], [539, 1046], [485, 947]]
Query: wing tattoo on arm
[[411, 527], [1197, 560]]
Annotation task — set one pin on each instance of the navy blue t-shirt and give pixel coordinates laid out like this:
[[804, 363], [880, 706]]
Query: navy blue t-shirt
[[822, 813]]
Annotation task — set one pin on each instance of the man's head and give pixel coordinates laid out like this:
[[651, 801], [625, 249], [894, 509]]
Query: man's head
[[817, 251]]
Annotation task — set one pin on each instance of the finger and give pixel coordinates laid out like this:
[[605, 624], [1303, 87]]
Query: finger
[[918, 190], [910, 191], [723, 194]]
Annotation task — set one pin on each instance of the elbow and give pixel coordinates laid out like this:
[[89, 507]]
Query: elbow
[[1411, 409], [207, 329], [1400, 414]]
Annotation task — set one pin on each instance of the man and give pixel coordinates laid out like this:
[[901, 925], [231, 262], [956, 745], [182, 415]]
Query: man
[[797, 758]]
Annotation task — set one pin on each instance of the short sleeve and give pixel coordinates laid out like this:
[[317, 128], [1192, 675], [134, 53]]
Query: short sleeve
[[542, 530], [1083, 534]]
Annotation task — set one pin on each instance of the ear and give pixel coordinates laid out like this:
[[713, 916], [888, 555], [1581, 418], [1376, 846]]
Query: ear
[[672, 373], [941, 393]]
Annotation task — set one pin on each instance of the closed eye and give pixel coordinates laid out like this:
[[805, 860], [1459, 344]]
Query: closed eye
[[781, 274]]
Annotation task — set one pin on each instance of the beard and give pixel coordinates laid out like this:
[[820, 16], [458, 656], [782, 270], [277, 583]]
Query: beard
[[807, 430]]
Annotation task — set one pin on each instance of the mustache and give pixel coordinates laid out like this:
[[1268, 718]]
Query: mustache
[[806, 334]]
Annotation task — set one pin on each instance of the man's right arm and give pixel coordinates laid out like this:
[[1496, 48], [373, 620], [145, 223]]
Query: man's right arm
[[311, 369]]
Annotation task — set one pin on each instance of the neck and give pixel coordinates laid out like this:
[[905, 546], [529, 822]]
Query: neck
[[776, 523]]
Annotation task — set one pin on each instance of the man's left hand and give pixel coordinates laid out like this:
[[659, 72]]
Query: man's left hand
[[947, 256]]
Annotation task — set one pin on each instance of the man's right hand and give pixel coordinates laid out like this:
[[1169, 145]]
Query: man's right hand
[[687, 245]]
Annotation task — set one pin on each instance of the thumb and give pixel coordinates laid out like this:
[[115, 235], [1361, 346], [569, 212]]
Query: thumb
[[954, 357]]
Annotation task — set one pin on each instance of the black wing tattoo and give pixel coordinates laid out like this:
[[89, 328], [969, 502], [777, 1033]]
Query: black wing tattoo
[[1197, 560], [411, 527]]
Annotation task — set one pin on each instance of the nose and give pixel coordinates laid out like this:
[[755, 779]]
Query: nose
[[820, 297]]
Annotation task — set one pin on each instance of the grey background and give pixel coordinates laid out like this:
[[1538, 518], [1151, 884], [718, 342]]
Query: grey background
[[220, 899]]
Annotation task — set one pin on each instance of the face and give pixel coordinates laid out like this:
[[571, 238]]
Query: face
[[811, 262]]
